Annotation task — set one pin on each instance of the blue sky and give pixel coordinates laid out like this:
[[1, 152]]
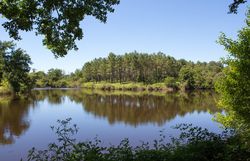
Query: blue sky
[[182, 29]]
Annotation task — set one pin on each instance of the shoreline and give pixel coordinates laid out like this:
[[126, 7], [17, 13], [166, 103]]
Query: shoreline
[[133, 87], [160, 87], [156, 87]]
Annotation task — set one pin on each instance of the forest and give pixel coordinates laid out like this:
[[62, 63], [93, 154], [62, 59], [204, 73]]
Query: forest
[[153, 68], [131, 70], [135, 68]]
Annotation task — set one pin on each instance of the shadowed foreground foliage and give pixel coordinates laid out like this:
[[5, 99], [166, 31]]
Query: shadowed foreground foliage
[[193, 144]]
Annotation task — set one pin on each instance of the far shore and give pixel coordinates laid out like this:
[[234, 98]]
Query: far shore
[[157, 87], [52, 88], [161, 87]]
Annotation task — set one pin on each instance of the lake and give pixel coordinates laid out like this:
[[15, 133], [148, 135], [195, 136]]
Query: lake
[[111, 116]]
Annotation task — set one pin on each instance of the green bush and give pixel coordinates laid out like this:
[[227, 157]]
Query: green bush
[[171, 82], [5, 87]]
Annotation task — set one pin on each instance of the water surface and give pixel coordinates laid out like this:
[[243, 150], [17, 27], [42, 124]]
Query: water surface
[[111, 116]]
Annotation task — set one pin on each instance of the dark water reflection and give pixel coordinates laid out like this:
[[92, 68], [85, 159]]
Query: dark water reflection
[[142, 109], [13, 119], [129, 114]]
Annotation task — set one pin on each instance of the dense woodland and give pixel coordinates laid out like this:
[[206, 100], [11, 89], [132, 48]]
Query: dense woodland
[[152, 68], [136, 67]]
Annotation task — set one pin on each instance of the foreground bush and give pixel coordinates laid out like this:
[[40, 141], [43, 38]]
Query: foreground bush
[[193, 144]]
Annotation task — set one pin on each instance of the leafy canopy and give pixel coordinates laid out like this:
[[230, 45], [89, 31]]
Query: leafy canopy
[[14, 66], [235, 85], [57, 20]]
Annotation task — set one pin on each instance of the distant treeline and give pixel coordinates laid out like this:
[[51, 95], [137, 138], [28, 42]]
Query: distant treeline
[[56, 78], [136, 67], [152, 68]]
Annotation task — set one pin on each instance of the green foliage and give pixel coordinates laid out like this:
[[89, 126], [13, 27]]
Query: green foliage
[[171, 82], [234, 86], [131, 67], [5, 87], [126, 86], [58, 20], [56, 78], [187, 77], [15, 65], [151, 68], [157, 87], [193, 144], [135, 71], [39, 78], [201, 75], [17, 68]]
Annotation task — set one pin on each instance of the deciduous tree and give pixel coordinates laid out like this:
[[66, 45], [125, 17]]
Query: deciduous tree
[[57, 20], [234, 86]]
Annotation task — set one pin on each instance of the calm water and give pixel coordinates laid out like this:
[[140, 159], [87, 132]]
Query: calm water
[[111, 116]]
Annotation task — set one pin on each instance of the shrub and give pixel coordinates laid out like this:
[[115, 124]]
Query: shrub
[[171, 82]]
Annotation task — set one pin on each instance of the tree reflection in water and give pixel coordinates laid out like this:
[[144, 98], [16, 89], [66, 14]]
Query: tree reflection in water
[[147, 108], [13, 118], [133, 108]]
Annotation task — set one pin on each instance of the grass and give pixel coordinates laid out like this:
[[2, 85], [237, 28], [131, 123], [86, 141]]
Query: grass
[[126, 86]]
